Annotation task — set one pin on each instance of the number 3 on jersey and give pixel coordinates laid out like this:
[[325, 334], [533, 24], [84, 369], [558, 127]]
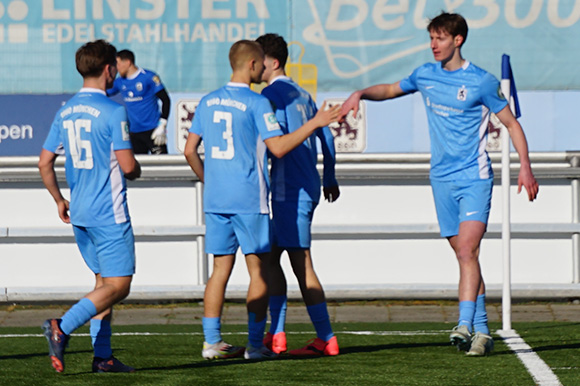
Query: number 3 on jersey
[[77, 145], [228, 135]]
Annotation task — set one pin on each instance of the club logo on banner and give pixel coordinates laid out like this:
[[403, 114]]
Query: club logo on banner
[[350, 136], [183, 119]]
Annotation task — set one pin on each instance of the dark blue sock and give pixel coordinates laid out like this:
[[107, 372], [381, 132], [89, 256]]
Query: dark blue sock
[[101, 338], [321, 321], [278, 306]]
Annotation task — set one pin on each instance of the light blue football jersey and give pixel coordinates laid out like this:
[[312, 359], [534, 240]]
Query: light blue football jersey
[[138, 93], [90, 127], [233, 122], [294, 176], [458, 104]]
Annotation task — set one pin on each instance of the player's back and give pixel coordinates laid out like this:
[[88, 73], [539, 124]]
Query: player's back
[[91, 128], [294, 176], [233, 121]]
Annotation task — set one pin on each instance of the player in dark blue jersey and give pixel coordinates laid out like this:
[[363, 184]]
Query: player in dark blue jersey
[[237, 125], [295, 195], [459, 97], [142, 90], [92, 131]]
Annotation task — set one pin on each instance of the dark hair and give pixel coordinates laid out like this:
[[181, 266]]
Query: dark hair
[[126, 55], [452, 23], [92, 58], [242, 51], [275, 47]]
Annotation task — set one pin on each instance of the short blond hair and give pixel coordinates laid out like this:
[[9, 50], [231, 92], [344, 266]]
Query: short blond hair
[[244, 50]]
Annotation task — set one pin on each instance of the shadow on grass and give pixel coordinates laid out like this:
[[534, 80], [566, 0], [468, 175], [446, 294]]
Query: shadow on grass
[[343, 351], [35, 355]]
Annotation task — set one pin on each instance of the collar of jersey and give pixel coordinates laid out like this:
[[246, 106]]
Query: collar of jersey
[[463, 66], [236, 84], [135, 74], [93, 90], [280, 77]]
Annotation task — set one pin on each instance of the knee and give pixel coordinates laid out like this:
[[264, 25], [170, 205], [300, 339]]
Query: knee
[[466, 254]]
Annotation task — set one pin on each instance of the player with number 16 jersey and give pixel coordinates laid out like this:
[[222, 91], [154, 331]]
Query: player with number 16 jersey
[[86, 126]]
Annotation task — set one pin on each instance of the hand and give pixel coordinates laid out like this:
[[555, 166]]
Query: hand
[[526, 179], [159, 135], [325, 116], [63, 207], [352, 103], [331, 193]]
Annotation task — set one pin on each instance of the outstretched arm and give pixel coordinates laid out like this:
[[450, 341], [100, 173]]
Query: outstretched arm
[[281, 145], [48, 175], [379, 92], [526, 177]]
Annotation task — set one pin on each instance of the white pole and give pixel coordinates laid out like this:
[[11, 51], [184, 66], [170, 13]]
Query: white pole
[[506, 225]]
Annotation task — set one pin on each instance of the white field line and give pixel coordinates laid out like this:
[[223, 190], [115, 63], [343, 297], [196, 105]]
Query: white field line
[[538, 369], [369, 333]]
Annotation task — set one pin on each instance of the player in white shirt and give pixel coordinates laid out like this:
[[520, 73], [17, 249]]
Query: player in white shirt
[[237, 125], [459, 97]]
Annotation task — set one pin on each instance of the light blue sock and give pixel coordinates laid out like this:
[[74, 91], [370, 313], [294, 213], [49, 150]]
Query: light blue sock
[[212, 329], [78, 315], [255, 330], [278, 306], [321, 321], [101, 338], [466, 313], [480, 318]]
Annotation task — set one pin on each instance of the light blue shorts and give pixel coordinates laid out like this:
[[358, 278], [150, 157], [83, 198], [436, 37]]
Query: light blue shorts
[[461, 200], [224, 233], [292, 222], [107, 250]]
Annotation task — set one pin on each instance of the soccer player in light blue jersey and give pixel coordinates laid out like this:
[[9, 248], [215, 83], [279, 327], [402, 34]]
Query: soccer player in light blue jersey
[[93, 133], [295, 195], [237, 126], [142, 90], [459, 98]]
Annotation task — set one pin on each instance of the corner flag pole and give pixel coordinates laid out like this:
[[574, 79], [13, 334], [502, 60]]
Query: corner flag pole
[[508, 89]]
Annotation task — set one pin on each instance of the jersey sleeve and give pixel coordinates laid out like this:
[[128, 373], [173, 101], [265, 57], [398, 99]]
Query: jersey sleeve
[[53, 141], [119, 124], [156, 81], [409, 84], [275, 103], [265, 119], [491, 94]]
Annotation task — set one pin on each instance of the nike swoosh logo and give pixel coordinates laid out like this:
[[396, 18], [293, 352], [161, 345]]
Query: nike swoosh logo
[[471, 213], [429, 87]]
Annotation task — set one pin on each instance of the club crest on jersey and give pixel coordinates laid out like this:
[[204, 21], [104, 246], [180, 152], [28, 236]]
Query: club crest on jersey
[[156, 80], [139, 86], [462, 94]]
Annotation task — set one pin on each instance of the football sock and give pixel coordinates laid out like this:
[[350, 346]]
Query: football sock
[[466, 313], [101, 338], [212, 329], [480, 318], [78, 315], [255, 330], [278, 306], [321, 321]]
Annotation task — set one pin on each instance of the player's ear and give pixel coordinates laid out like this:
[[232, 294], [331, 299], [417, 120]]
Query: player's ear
[[458, 40], [276, 64]]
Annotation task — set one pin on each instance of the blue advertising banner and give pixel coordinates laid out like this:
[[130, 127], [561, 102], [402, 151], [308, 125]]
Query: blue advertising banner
[[352, 43], [25, 121]]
